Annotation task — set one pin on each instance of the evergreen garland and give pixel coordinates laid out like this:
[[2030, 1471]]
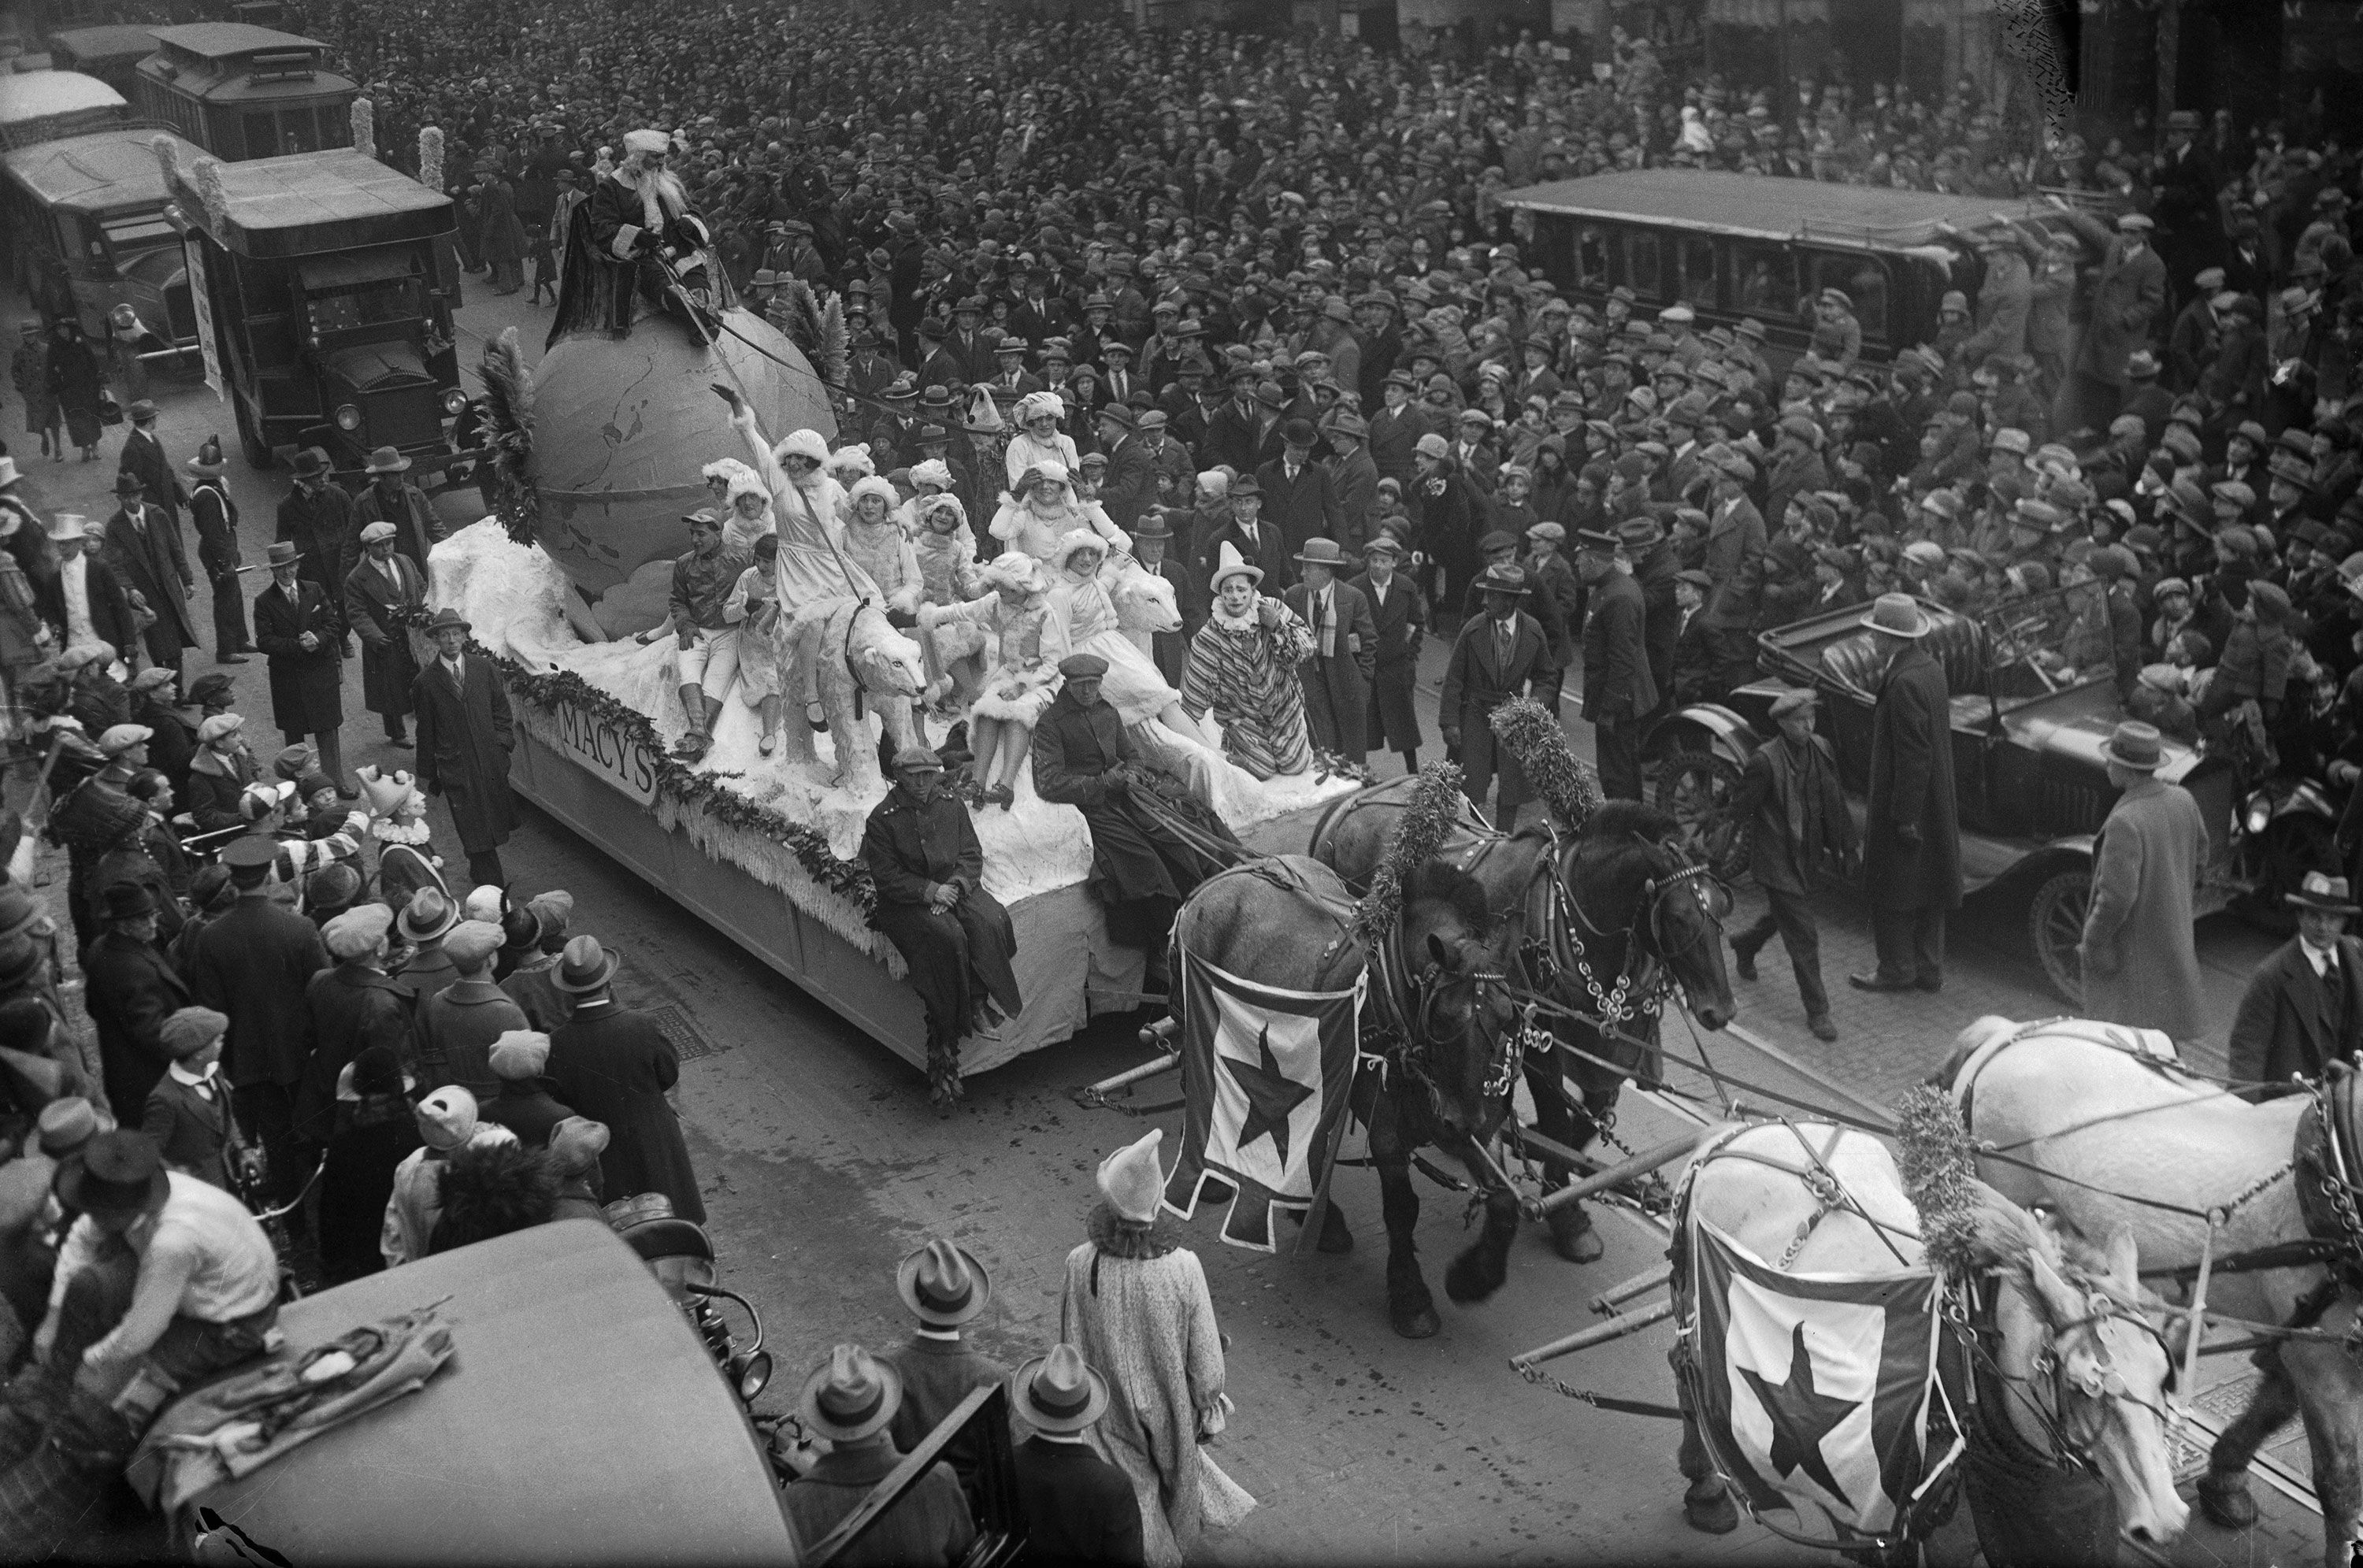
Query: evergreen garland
[[1934, 1155], [1532, 734], [548, 690], [1427, 822]]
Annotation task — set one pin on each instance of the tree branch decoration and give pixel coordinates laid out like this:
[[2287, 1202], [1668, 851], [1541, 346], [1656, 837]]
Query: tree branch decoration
[[1533, 735], [508, 409], [1434, 812], [1939, 1171], [705, 792], [430, 157], [168, 156], [364, 117]]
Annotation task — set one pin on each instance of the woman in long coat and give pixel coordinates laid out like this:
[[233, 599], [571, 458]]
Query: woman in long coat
[[76, 382]]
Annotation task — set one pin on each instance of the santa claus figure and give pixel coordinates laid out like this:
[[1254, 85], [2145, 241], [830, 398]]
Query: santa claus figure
[[636, 236]]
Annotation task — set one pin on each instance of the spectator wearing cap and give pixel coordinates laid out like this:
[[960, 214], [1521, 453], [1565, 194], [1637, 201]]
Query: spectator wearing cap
[[372, 1131], [1446, 513], [1912, 856], [2146, 396], [458, 1024], [355, 1005], [519, 1059], [382, 594], [1353, 478], [1395, 429], [392, 500], [851, 1399], [1079, 1507], [1619, 687], [447, 1121], [1735, 543], [2299, 1012], [1494, 660], [2254, 668], [1137, 1307], [614, 1066], [2113, 567], [131, 990], [141, 543], [1695, 659], [1399, 623], [255, 964], [944, 1287], [2141, 968], [187, 1115], [2127, 299], [1797, 467], [1789, 793]]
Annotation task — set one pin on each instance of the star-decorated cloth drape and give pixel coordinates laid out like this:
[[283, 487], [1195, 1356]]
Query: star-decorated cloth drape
[[1814, 1388], [1265, 1073]]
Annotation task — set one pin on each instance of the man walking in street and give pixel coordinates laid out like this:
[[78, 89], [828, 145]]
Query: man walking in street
[[1617, 690], [2141, 966], [614, 1067], [317, 517], [1494, 657], [465, 735], [143, 457], [1336, 679], [215, 516], [1912, 844], [296, 625], [1790, 794], [141, 544], [2301, 1006], [380, 594]]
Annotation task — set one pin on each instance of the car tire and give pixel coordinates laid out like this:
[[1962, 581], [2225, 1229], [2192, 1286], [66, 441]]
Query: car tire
[[2055, 929], [1696, 788]]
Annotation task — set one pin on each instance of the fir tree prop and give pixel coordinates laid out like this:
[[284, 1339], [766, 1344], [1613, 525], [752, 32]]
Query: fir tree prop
[[1434, 812], [1532, 734], [1939, 1173]]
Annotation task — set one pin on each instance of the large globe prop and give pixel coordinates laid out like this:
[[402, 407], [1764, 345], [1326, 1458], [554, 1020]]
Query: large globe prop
[[623, 428]]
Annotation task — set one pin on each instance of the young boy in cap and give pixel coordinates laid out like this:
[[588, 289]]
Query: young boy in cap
[[1399, 620], [1790, 792], [188, 1114], [457, 1025], [944, 1285]]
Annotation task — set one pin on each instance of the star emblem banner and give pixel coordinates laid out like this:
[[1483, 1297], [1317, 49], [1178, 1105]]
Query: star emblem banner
[[1265, 1073], [1816, 1387]]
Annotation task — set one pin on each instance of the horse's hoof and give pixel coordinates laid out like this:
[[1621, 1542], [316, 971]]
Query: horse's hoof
[[1470, 1280], [1574, 1236], [1419, 1322], [2224, 1500], [1707, 1507]]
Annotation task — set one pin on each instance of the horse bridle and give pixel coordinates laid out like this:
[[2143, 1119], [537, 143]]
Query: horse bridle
[[1643, 978], [1504, 1076], [2102, 1382]]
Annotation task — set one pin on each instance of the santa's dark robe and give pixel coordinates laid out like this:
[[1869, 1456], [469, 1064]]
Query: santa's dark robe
[[608, 265]]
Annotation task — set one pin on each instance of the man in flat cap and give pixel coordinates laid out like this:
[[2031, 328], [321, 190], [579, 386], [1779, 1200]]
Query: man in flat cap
[[380, 594], [924, 860], [1789, 793], [1619, 689], [2128, 297], [355, 1005]]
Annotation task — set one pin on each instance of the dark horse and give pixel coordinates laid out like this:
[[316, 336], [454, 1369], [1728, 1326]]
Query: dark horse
[[1440, 1017], [1608, 922]]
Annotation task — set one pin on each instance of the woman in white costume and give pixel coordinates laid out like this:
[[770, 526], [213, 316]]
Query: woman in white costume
[[1082, 620], [1041, 509], [1039, 440], [744, 503], [1020, 681]]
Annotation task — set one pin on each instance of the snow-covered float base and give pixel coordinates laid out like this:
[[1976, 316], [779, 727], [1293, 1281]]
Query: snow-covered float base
[[754, 889]]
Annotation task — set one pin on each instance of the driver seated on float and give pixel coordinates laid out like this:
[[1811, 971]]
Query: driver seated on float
[[636, 236]]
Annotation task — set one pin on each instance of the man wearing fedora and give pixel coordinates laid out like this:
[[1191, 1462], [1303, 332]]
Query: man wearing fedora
[[1494, 660], [1399, 621], [614, 1066], [216, 517], [1299, 499], [1336, 677], [143, 457], [944, 1285], [391, 498], [1912, 845], [380, 594], [1619, 690], [851, 1398], [2301, 1006], [315, 517], [296, 625], [1131, 483], [465, 735], [2141, 968], [141, 543], [1078, 1506], [85, 604], [131, 990], [1150, 537]]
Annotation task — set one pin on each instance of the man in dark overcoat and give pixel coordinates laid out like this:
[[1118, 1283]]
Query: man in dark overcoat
[[1493, 659], [1130, 485], [391, 498], [1618, 690], [1170, 649], [141, 544], [143, 457], [2140, 964], [2303, 1005], [380, 594], [317, 517], [1141, 870], [614, 1066], [1299, 497], [1790, 795], [131, 990], [1399, 620], [465, 735], [255, 962], [1912, 842], [216, 517], [929, 869], [1247, 530], [354, 1006], [296, 627], [174, 745], [2125, 301], [1336, 677]]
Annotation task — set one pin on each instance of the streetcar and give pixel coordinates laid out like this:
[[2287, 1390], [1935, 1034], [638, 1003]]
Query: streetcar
[[242, 91]]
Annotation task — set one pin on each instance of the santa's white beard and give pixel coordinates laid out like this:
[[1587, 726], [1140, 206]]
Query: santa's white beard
[[661, 193]]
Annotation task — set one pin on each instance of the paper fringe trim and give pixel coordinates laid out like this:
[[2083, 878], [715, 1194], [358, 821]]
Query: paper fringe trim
[[1533, 735], [1940, 1173], [1434, 812]]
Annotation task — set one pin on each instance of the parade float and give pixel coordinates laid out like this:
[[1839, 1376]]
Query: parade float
[[599, 452]]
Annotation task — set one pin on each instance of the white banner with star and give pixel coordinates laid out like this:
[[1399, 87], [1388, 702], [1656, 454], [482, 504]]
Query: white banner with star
[[1265, 1073], [1813, 1389]]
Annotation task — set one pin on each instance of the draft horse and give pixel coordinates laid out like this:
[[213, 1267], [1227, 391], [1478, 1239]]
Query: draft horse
[[1609, 923]]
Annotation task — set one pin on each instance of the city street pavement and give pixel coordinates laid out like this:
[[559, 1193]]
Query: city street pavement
[[822, 1164]]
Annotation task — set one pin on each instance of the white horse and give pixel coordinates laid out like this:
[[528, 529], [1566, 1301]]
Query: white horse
[[2080, 1361], [2097, 1121]]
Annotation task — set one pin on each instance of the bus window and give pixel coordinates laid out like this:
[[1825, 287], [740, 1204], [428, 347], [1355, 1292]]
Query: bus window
[[1863, 278], [1765, 280], [1698, 274], [336, 126], [298, 131], [262, 134], [1641, 266], [1591, 259]]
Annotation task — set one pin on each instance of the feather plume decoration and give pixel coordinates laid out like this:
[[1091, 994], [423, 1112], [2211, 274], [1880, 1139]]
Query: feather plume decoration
[[508, 418], [206, 174], [834, 359], [168, 156], [364, 114], [1434, 812], [1934, 1155], [796, 314], [430, 157], [1530, 733]]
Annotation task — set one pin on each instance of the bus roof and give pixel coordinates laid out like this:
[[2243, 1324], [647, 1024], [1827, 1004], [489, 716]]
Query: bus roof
[[231, 61], [1767, 207], [304, 203], [512, 1452], [99, 173], [38, 94], [227, 40]]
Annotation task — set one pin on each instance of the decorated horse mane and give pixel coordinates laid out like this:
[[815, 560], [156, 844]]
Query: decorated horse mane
[[1615, 824]]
